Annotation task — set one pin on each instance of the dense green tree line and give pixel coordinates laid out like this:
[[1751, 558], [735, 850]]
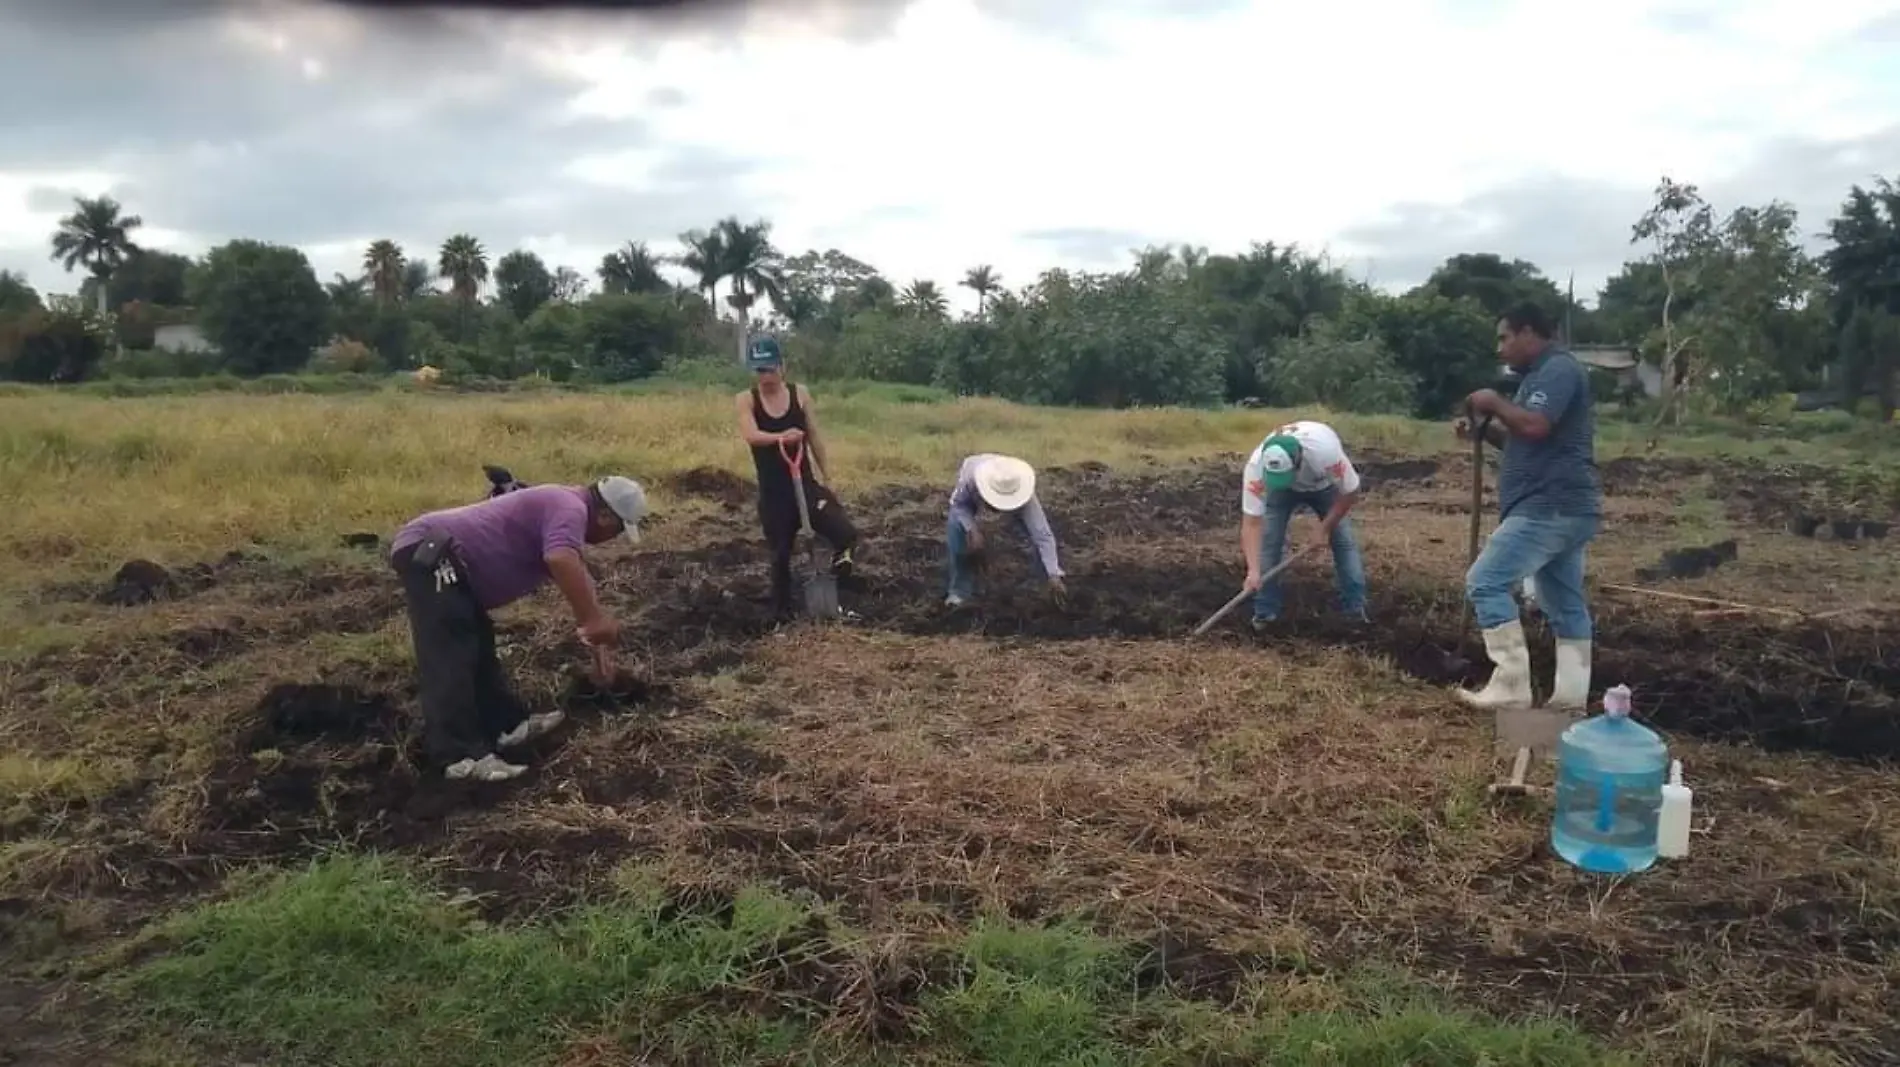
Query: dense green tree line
[[1730, 308]]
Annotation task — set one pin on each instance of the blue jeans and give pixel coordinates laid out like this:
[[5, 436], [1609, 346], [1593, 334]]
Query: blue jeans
[[1551, 549], [1349, 567], [961, 579]]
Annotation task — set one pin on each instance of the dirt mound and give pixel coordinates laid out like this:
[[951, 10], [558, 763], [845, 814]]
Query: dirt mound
[[142, 581], [294, 713], [710, 483]]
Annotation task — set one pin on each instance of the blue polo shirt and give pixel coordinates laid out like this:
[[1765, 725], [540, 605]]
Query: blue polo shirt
[[1557, 476]]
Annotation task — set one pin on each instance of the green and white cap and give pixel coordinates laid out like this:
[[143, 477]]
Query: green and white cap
[[1280, 460]]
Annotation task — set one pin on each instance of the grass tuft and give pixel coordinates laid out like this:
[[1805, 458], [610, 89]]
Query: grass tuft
[[353, 961]]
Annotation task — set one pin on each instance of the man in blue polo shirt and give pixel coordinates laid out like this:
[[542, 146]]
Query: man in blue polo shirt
[[1550, 505]]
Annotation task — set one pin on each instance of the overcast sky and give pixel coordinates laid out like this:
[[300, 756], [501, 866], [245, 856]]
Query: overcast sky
[[931, 136]]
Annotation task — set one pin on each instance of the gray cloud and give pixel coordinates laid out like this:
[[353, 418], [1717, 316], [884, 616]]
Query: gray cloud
[[1565, 224], [1689, 20], [1091, 246], [422, 125], [1882, 30], [1076, 22], [666, 97]]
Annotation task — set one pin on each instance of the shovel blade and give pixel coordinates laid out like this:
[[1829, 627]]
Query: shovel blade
[[821, 597], [1537, 729]]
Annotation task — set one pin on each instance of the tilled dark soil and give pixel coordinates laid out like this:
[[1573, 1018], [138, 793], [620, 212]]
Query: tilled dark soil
[[330, 753]]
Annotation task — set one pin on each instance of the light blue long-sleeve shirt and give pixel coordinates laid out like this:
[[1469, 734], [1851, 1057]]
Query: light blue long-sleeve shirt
[[964, 501]]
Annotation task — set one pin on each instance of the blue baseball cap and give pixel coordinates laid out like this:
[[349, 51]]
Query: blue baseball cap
[[764, 354]]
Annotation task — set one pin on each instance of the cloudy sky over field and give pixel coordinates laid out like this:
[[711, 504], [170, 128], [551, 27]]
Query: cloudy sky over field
[[930, 136]]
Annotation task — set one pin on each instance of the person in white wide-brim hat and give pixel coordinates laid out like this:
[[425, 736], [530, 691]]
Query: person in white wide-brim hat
[[989, 483]]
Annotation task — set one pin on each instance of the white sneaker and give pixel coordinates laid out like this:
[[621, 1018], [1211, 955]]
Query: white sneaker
[[531, 727], [490, 768], [953, 602]]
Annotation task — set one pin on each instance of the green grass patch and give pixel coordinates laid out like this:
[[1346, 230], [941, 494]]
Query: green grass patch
[[353, 961]]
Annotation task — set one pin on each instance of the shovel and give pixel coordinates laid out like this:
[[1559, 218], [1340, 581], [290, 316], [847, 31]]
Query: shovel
[[1245, 593], [821, 586]]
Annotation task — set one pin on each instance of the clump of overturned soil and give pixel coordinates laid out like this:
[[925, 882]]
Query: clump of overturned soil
[[710, 483], [142, 581], [625, 689], [296, 713]]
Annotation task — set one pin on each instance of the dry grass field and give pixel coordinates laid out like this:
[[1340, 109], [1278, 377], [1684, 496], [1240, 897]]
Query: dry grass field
[[1021, 835]]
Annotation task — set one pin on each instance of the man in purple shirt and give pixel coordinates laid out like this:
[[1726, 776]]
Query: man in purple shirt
[[992, 483], [459, 564]]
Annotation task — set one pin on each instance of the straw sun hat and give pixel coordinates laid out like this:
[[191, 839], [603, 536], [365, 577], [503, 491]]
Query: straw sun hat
[[1005, 482]]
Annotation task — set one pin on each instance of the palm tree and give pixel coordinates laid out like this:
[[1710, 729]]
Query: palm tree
[[753, 265], [418, 280], [983, 281], [464, 263], [922, 297], [346, 291], [632, 269], [705, 258], [97, 237], [383, 265]]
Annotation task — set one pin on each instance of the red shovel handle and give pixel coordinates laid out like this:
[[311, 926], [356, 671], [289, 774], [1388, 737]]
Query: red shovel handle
[[794, 456]]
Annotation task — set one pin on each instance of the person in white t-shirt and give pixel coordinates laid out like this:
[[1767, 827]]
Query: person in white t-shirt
[[1301, 464]]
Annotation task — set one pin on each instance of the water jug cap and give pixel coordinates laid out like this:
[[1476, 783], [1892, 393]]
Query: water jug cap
[[1616, 701], [1675, 772]]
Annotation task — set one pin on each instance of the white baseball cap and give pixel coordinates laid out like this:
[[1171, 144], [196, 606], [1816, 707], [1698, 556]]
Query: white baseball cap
[[1005, 482], [625, 499]]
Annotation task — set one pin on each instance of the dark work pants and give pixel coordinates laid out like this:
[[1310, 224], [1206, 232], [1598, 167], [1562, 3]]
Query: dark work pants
[[466, 702], [779, 518]]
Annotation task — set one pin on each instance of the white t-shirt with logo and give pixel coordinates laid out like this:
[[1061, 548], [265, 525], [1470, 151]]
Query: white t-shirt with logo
[[1323, 463]]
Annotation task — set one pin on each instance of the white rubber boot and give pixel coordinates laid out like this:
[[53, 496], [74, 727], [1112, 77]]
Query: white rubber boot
[[1510, 684], [1571, 691]]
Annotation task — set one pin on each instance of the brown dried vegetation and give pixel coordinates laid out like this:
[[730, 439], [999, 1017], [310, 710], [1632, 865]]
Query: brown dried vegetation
[[1308, 801]]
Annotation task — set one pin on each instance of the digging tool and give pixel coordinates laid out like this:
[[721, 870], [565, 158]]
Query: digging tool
[[1515, 787], [821, 586], [1520, 732], [1245, 593], [1478, 430]]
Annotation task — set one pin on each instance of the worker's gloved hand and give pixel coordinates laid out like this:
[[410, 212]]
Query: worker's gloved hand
[[1058, 593]]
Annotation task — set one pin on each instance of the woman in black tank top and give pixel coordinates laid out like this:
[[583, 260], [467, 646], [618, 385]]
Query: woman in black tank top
[[764, 433]]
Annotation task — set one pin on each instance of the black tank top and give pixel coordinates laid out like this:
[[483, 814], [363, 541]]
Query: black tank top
[[775, 478]]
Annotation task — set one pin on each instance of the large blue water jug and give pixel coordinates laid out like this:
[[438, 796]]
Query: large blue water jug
[[1610, 773]]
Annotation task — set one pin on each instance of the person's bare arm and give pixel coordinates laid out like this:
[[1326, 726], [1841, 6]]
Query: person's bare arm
[[1250, 541], [1519, 422], [1342, 504], [576, 585], [812, 437], [749, 426]]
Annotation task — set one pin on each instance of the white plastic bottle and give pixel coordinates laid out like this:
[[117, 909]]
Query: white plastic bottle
[[1672, 826]]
